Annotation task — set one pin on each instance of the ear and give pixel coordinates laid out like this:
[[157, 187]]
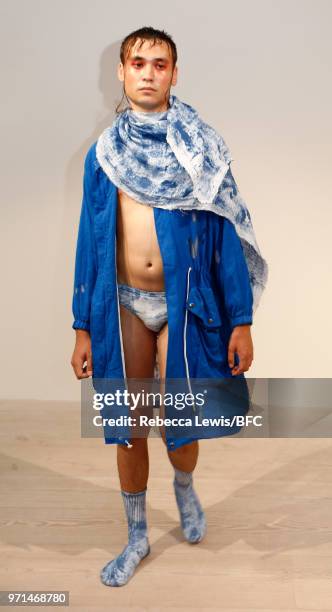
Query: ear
[[175, 75], [120, 72]]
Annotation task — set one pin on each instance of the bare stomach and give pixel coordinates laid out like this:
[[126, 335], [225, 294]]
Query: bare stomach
[[139, 261]]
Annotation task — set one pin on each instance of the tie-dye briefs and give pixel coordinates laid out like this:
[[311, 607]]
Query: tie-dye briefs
[[149, 306]]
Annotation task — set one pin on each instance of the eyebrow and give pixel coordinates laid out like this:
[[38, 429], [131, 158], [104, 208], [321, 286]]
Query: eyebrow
[[155, 59]]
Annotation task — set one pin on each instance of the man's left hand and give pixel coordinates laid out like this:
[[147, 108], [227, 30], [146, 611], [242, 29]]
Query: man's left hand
[[241, 343]]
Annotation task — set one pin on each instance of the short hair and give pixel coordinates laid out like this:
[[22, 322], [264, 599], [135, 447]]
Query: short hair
[[147, 33]]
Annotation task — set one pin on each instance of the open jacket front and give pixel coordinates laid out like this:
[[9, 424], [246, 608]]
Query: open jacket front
[[207, 287]]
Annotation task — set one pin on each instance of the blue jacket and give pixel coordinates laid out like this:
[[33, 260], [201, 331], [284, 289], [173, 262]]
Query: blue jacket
[[208, 293]]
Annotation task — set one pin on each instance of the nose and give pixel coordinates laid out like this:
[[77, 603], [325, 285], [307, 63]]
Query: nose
[[148, 72]]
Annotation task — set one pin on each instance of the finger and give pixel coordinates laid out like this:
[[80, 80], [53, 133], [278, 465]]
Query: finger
[[84, 373], [89, 364], [76, 367], [243, 366], [231, 351], [79, 371], [236, 371]]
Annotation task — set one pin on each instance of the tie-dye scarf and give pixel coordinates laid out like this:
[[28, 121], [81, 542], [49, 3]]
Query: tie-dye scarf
[[173, 159]]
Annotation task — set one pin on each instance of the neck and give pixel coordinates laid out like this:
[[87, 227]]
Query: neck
[[158, 109]]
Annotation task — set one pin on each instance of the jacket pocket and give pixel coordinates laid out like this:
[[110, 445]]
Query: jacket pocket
[[201, 302], [207, 350]]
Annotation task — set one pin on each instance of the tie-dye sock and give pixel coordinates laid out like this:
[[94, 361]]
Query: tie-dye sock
[[192, 517], [119, 570]]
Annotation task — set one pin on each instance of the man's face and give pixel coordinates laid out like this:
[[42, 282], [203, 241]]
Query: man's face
[[148, 76]]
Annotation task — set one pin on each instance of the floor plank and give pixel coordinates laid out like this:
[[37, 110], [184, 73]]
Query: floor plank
[[268, 504]]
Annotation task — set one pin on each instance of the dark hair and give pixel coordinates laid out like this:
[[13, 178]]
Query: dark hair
[[145, 33]]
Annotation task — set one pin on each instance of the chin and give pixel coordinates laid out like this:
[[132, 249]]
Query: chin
[[146, 102]]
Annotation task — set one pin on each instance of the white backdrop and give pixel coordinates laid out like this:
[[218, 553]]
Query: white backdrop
[[258, 71]]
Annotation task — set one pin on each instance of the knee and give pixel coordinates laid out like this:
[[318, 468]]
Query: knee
[[185, 450]]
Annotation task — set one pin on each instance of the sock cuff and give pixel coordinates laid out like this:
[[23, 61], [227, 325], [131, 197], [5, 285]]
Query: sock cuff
[[129, 494], [134, 504], [183, 478]]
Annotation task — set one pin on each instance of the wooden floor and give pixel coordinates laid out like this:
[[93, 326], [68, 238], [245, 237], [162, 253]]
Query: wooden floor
[[268, 504]]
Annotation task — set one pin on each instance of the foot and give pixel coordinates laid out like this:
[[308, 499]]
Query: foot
[[119, 570], [192, 517]]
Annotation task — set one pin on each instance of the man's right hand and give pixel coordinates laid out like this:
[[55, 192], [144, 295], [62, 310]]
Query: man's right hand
[[82, 353]]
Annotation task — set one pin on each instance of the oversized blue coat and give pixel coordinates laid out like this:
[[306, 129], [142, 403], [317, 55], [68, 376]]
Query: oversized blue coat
[[208, 293]]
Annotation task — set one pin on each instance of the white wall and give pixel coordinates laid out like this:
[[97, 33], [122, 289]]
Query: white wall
[[258, 71]]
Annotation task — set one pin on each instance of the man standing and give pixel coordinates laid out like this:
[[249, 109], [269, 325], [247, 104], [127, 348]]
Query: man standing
[[146, 176]]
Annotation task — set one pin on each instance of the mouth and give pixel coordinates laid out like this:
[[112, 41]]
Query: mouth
[[146, 89]]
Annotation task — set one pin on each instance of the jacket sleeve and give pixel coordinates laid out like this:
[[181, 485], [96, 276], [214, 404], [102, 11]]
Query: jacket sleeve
[[86, 253], [233, 276]]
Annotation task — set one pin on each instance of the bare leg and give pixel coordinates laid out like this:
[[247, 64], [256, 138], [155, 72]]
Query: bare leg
[[185, 457], [139, 345], [184, 461]]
